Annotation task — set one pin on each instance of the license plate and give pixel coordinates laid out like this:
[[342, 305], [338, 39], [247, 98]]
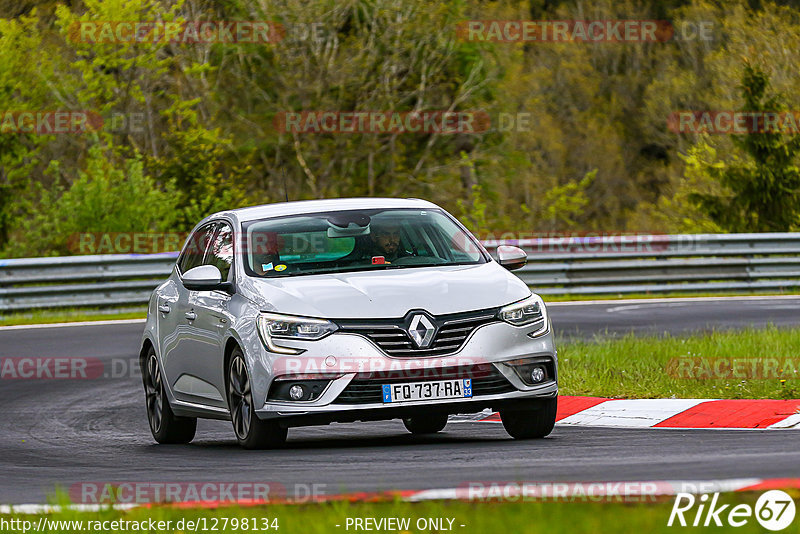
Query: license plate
[[441, 389]]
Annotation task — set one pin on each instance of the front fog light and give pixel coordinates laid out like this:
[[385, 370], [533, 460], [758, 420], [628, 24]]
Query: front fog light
[[537, 374], [296, 392], [533, 371]]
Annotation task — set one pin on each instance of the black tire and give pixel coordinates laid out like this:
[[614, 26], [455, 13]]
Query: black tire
[[425, 424], [165, 426], [531, 423], [251, 432]]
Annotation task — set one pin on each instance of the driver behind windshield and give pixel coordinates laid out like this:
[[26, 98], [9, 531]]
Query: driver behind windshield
[[385, 238]]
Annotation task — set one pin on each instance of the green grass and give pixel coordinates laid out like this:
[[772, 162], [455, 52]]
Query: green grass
[[70, 315], [639, 367], [477, 518]]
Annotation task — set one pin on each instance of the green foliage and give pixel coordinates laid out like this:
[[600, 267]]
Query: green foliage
[[761, 183], [595, 153], [563, 203], [18, 152], [17, 160], [193, 169], [107, 197], [473, 214], [678, 213]]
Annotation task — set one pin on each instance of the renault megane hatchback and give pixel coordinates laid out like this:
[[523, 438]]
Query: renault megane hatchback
[[307, 313]]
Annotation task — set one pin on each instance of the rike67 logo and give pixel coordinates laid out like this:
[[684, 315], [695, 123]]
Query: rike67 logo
[[774, 510]]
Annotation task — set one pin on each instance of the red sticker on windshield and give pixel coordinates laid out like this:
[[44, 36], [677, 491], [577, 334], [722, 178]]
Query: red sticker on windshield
[[378, 260]]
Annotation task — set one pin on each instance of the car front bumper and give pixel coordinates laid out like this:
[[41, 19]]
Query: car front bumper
[[348, 359]]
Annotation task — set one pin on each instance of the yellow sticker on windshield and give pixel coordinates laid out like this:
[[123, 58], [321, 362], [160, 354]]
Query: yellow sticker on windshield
[[280, 267]]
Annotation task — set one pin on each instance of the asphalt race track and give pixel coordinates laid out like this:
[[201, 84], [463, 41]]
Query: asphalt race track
[[64, 432]]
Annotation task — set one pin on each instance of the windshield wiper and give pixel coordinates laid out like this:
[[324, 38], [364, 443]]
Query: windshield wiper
[[360, 268], [401, 265]]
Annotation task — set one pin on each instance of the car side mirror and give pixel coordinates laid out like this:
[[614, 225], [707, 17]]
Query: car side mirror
[[511, 257], [203, 278]]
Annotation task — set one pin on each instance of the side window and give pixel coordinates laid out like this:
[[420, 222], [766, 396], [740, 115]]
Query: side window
[[196, 247], [221, 252]]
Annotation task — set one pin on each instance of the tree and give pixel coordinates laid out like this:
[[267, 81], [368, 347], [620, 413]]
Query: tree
[[107, 197], [760, 186]]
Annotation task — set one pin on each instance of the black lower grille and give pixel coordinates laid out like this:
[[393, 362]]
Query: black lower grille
[[391, 335], [367, 388]]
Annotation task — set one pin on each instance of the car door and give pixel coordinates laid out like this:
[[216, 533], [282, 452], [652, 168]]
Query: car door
[[212, 317], [177, 334]]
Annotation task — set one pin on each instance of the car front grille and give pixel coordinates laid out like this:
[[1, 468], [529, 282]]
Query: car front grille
[[367, 388], [392, 337]]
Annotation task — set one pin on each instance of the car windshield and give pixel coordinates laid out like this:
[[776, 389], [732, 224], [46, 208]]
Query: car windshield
[[356, 240]]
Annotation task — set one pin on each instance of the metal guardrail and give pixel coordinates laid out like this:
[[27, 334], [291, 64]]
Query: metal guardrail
[[82, 281], [686, 263], [603, 265]]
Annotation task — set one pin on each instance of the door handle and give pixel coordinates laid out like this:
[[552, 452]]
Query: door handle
[[190, 315], [163, 308]]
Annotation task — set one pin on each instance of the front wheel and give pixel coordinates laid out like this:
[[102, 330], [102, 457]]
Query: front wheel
[[426, 424], [251, 432], [165, 426], [530, 423]]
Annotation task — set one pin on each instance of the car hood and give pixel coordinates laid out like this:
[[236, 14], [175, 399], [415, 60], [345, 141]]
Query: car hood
[[390, 293]]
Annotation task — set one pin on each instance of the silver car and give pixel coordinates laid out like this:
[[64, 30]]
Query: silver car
[[307, 313]]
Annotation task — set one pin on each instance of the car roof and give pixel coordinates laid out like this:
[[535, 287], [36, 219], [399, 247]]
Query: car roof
[[301, 207]]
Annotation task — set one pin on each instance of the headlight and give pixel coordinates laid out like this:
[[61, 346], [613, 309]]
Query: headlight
[[273, 325], [530, 311]]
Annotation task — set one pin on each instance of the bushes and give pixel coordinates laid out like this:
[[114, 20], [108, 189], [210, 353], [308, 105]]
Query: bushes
[[595, 154], [105, 198]]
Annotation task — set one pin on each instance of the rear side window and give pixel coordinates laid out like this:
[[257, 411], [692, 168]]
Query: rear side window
[[196, 247], [220, 254]]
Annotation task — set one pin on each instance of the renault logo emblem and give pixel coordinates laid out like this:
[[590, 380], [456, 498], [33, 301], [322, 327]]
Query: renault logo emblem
[[421, 330]]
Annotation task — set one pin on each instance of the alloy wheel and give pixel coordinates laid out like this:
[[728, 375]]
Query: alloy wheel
[[154, 394], [241, 400]]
